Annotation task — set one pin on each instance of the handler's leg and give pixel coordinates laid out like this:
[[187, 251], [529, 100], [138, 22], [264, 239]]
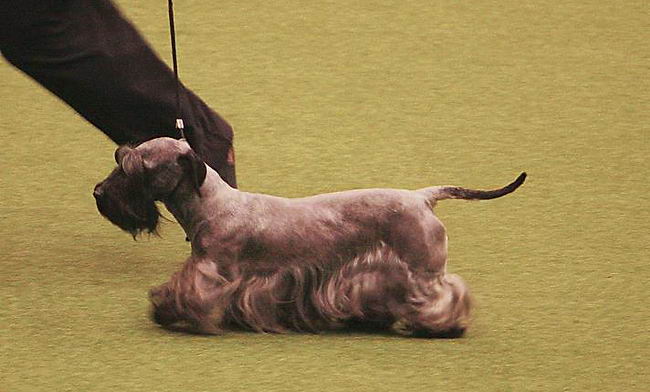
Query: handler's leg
[[87, 54]]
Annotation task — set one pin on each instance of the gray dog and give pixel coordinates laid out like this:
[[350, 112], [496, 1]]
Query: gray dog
[[372, 257]]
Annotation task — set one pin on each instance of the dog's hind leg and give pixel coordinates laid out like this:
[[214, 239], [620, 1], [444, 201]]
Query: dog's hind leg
[[420, 240], [437, 304], [444, 311]]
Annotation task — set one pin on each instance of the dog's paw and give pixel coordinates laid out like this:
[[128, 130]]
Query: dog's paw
[[402, 327]]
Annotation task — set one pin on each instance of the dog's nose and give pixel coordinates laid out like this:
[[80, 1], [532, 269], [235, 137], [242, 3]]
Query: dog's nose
[[98, 192]]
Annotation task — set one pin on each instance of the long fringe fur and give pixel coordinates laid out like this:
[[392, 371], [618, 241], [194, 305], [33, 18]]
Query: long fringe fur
[[375, 288]]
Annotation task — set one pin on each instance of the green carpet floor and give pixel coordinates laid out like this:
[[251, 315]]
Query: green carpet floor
[[328, 96]]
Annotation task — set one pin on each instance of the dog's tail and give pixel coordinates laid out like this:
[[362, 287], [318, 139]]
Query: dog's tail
[[436, 193]]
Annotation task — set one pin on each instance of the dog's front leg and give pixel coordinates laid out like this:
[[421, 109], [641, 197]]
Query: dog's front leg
[[195, 298], [163, 309], [214, 287]]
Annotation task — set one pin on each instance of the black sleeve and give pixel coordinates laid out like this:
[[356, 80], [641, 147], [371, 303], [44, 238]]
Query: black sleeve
[[91, 57]]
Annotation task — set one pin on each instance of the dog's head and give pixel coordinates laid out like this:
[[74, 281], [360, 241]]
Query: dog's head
[[154, 170]]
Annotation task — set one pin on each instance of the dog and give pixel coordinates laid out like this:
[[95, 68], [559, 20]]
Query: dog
[[373, 257]]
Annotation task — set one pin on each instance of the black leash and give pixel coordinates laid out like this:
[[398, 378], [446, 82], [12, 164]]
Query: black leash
[[179, 120]]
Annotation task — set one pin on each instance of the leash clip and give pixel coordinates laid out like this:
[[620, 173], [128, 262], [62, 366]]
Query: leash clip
[[181, 127]]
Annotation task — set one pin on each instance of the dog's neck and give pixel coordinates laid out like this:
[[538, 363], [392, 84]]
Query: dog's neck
[[191, 208]]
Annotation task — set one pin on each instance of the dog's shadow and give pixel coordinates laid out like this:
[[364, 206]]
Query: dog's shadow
[[354, 328]]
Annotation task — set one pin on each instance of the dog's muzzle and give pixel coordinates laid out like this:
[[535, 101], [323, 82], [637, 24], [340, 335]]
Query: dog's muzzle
[[122, 201]]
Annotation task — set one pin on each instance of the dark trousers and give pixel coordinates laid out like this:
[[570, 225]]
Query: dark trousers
[[87, 54]]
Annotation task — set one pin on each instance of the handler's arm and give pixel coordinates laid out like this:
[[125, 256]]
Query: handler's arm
[[90, 56]]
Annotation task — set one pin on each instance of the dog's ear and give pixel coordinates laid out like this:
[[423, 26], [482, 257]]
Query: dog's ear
[[121, 152], [130, 160], [194, 166]]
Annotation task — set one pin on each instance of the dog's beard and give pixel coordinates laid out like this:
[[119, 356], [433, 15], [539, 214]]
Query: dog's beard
[[126, 204]]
